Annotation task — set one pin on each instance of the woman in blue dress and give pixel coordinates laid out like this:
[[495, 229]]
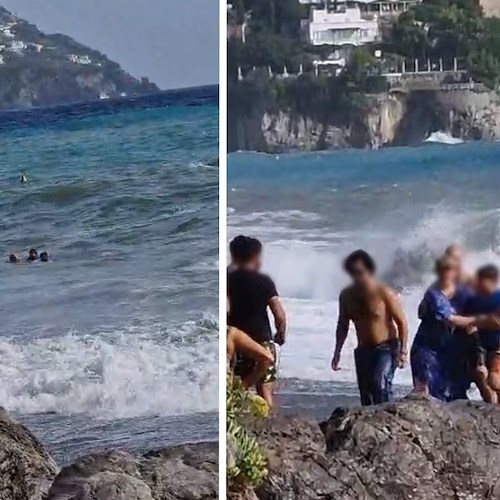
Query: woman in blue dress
[[440, 316]]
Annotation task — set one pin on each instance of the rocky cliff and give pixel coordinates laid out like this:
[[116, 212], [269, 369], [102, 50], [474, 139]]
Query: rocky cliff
[[396, 118], [27, 472], [411, 449], [37, 69]]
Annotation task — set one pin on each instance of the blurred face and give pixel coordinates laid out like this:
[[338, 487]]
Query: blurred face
[[448, 272], [360, 275], [255, 264], [486, 285], [456, 253]]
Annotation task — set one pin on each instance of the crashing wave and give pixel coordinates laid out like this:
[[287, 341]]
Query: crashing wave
[[442, 137]]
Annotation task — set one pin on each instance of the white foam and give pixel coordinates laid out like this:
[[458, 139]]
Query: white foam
[[443, 138], [309, 276], [122, 374]]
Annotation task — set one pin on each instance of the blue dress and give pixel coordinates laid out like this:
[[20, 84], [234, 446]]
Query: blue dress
[[429, 360]]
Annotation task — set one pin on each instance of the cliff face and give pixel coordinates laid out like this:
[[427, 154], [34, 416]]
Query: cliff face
[[388, 119], [37, 69]]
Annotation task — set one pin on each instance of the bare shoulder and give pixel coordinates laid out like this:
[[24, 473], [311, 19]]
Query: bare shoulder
[[388, 293]]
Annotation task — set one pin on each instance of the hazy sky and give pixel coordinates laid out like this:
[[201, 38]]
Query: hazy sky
[[173, 42]]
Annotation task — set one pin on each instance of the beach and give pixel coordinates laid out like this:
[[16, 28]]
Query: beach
[[403, 205], [114, 342]]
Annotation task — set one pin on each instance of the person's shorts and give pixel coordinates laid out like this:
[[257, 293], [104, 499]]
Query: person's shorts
[[486, 344], [244, 366]]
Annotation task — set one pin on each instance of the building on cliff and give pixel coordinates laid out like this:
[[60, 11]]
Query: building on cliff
[[351, 22]]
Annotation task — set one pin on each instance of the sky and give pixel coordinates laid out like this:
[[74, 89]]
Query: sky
[[175, 43]]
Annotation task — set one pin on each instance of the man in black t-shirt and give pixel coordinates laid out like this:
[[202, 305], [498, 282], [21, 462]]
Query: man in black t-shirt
[[250, 293]]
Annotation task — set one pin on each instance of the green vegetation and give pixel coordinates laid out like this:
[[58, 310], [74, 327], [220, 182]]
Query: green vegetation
[[450, 28], [246, 466], [433, 29]]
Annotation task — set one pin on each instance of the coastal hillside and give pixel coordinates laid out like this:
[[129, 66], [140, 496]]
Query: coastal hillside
[[38, 69], [362, 74]]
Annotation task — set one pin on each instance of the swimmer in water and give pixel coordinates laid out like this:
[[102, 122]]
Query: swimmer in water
[[380, 325], [23, 178], [44, 257], [33, 255], [13, 258]]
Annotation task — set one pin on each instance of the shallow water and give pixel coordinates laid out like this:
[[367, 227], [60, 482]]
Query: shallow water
[[117, 334], [403, 205]]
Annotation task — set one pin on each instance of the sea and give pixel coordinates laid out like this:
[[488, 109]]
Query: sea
[[403, 205], [113, 343]]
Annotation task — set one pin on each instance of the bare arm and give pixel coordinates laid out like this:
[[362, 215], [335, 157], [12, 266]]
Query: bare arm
[[341, 332], [279, 319], [396, 310], [462, 321]]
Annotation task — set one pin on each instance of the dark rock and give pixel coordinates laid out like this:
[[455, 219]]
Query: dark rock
[[26, 469], [411, 449], [183, 472]]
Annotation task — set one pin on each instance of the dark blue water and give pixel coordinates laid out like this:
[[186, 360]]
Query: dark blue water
[[113, 340], [403, 205]]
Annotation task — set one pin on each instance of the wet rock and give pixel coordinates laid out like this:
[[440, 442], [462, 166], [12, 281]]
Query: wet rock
[[26, 469], [183, 472], [412, 449]]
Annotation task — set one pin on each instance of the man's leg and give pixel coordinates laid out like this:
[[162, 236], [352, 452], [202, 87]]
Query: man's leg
[[493, 364], [265, 387], [480, 375], [363, 372], [266, 391], [382, 374], [239, 342]]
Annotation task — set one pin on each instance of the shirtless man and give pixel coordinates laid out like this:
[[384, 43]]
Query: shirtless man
[[381, 329]]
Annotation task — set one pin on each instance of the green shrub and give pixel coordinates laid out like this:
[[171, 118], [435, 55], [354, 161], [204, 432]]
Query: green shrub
[[246, 465]]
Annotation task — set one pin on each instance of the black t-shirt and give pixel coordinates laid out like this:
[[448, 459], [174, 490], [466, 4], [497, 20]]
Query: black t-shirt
[[249, 295]]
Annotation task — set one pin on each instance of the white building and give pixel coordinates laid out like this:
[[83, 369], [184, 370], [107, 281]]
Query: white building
[[344, 26], [76, 59], [18, 46]]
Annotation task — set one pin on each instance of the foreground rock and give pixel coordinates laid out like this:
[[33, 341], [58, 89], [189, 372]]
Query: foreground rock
[[26, 469], [27, 472], [412, 449], [184, 472]]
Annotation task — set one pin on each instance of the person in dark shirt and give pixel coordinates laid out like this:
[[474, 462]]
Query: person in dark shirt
[[486, 346], [250, 294]]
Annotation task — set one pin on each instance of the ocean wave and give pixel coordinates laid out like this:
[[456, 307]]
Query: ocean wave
[[309, 276], [114, 375], [443, 138]]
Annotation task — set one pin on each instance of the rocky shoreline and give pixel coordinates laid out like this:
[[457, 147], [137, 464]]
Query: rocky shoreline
[[27, 472], [411, 449], [390, 119]]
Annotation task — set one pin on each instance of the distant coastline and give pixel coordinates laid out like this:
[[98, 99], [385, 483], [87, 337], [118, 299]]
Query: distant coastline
[[189, 96]]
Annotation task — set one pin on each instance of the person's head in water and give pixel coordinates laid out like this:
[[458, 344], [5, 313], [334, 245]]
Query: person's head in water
[[361, 267], [235, 247], [447, 270], [248, 254], [33, 254], [487, 279], [13, 258], [44, 257]]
